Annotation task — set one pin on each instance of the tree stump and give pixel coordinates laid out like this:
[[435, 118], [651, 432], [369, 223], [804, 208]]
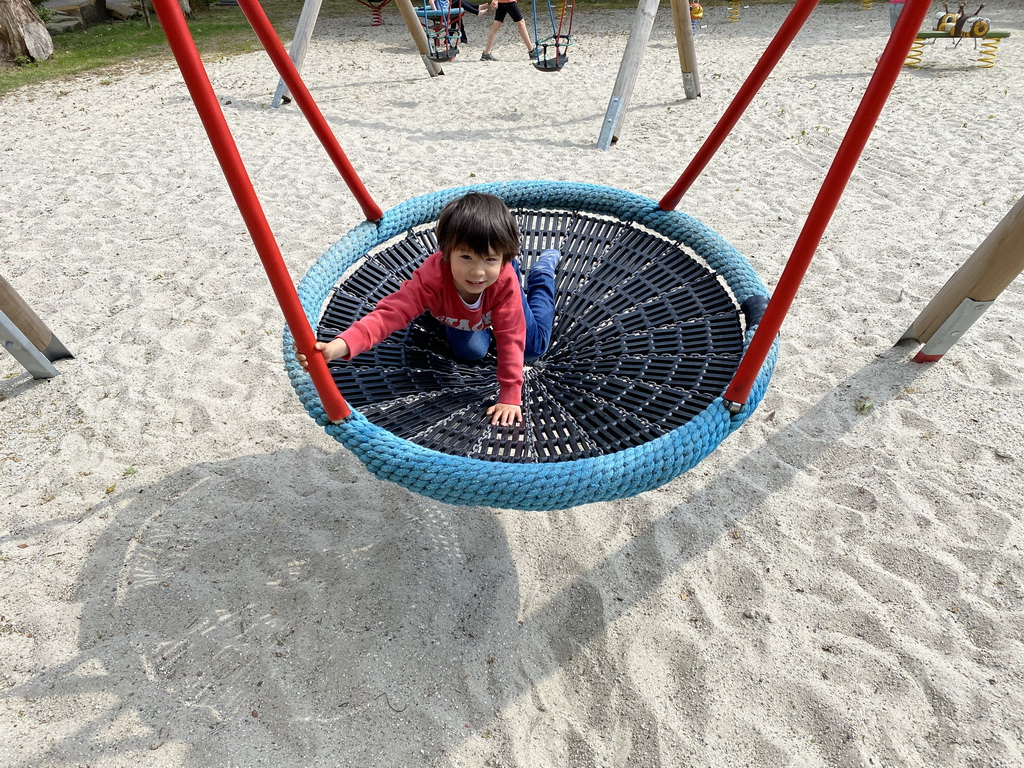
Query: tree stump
[[22, 32]]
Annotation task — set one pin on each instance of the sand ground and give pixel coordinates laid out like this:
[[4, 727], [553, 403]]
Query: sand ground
[[193, 575]]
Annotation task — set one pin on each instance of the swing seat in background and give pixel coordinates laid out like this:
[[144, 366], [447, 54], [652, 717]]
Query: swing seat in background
[[444, 31], [559, 44], [554, 64], [554, 49]]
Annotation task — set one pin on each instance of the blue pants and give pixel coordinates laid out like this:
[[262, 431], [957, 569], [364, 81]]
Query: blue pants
[[539, 309]]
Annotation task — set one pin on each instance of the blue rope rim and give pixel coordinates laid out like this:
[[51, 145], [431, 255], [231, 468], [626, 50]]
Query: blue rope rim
[[548, 486]]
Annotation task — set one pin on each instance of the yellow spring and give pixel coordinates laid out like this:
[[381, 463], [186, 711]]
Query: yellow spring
[[867, 4], [989, 49], [734, 11], [915, 53]]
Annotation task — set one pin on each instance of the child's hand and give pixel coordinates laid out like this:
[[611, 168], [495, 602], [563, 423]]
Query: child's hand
[[331, 350], [505, 414]]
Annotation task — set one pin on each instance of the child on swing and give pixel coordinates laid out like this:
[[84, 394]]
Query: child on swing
[[472, 286]]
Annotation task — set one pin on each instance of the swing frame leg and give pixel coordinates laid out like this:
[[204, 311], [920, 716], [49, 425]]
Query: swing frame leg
[[972, 289]]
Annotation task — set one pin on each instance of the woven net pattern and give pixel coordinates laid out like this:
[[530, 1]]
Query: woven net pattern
[[647, 336]]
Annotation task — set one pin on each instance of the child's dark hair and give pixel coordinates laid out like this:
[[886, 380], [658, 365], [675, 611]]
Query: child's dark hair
[[479, 222]]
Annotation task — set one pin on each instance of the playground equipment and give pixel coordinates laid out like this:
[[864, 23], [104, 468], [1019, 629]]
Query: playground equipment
[[957, 27], [632, 57], [554, 47], [307, 21], [442, 27], [646, 276], [376, 7], [972, 289], [696, 14], [26, 336]]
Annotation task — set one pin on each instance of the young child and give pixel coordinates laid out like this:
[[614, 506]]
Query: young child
[[472, 286]]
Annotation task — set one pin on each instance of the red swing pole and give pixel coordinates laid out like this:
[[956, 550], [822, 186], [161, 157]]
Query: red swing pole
[[764, 66], [871, 104], [198, 82], [286, 68]]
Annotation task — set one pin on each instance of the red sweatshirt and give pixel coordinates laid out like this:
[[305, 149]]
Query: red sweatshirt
[[431, 288]]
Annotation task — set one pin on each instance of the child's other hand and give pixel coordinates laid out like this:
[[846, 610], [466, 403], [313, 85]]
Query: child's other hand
[[505, 414], [331, 350]]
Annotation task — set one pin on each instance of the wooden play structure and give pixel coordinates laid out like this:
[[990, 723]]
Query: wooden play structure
[[972, 289], [307, 21], [436, 32], [26, 336], [958, 27], [632, 57], [673, 353]]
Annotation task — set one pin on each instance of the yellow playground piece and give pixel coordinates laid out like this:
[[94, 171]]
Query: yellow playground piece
[[957, 26]]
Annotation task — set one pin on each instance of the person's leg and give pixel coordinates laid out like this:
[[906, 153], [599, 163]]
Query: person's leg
[[539, 304], [491, 34], [524, 35], [467, 7], [468, 345]]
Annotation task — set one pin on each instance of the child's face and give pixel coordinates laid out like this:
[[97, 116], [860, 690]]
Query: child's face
[[473, 272]]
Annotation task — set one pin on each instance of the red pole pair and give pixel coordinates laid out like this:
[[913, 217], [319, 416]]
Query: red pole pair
[[875, 96], [764, 66], [198, 82]]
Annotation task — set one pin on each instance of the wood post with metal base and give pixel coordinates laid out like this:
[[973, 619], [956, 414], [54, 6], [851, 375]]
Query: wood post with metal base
[[26, 337], [632, 57], [972, 289], [304, 31]]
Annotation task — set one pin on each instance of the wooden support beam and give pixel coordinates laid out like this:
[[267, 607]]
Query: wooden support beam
[[629, 69], [26, 336], [687, 51], [297, 52], [985, 275], [419, 36]]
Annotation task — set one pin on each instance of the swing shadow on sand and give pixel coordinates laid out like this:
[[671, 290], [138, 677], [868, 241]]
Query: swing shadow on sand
[[255, 606]]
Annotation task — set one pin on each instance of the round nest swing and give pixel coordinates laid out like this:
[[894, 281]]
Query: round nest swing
[[653, 314]]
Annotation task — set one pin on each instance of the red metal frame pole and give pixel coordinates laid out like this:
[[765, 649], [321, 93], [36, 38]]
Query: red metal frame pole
[[764, 66], [286, 68], [198, 82], [875, 96]]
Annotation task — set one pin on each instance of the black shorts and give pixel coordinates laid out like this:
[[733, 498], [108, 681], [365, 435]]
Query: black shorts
[[508, 9]]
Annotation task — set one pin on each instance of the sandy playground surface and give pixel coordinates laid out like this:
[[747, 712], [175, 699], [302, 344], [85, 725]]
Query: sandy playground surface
[[192, 574]]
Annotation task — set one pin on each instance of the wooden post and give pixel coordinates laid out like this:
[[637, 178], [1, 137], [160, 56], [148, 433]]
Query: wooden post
[[303, 33], [629, 69], [26, 336], [419, 36], [966, 295], [687, 51]]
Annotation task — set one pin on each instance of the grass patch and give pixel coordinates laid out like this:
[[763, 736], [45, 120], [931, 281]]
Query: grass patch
[[218, 31]]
